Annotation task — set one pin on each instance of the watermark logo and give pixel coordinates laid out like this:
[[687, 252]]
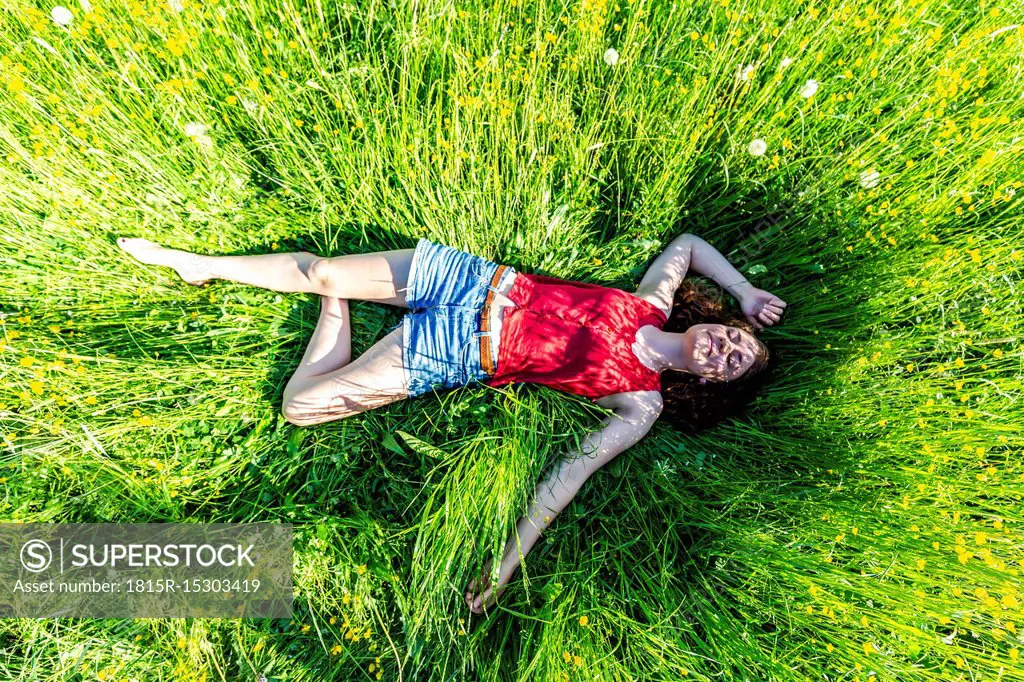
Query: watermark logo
[[36, 556], [146, 570]]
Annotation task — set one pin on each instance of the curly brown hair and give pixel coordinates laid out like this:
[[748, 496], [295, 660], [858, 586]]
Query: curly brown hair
[[691, 405]]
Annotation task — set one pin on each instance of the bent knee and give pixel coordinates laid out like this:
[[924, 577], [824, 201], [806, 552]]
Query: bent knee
[[323, 275], [303, 412], [293, 415], [293, 412]]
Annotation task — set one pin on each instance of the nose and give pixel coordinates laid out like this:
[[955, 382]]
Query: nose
[[724, 346]]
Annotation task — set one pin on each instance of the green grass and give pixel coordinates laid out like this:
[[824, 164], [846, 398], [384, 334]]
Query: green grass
[[861, 522]]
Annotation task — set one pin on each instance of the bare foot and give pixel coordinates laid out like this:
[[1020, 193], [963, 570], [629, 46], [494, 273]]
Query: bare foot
[[191, 267]]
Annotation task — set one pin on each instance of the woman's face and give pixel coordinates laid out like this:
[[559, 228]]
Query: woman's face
[[718, 352]]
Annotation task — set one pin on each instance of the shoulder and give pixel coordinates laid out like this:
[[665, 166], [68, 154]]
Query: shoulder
[[652, 298], [641, 407]]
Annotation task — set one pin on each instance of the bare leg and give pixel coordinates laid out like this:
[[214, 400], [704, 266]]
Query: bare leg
[[329, 348], [380, 277], [374, 379], [288, 272]]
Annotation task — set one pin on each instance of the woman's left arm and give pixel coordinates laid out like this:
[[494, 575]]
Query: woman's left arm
[[556, 491]]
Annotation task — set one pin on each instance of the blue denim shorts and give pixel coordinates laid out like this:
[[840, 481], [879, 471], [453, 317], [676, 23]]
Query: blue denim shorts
[[446, 293]]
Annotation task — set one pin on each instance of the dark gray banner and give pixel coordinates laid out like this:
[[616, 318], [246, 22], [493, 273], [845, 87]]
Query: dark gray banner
[[146, 570]]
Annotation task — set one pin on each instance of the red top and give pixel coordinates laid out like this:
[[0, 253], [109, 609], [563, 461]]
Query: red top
[[574, 337]]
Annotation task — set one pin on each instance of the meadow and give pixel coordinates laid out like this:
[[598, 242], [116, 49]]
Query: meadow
[[862, 521]]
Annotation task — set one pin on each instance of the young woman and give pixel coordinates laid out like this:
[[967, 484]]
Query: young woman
[[663, 348]]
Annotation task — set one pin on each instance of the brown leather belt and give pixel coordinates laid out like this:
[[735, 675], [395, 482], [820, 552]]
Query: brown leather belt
[[487, 361]]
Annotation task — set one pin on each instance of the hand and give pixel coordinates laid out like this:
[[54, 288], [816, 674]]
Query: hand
[[479, 601], [762, 308]]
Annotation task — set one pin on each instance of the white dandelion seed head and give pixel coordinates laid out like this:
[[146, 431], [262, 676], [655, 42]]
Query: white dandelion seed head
[[869, 179], [86, 5], [194, 129], [757, 147], [61, 15], [785, 62], [810, 87], [611, 56], [249, 105], [197, 133], [176, 5], [747, 72]]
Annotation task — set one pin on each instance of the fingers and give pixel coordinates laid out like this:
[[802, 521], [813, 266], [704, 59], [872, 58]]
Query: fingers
[[473, 602], [479, 603], [771, 310]]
